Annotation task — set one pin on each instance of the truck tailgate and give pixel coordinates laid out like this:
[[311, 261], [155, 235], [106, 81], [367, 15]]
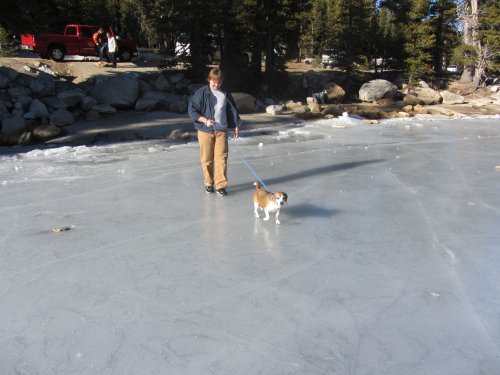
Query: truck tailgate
[[27, 41]]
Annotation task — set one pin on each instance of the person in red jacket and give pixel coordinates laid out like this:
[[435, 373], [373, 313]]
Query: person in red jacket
[[101, 42]]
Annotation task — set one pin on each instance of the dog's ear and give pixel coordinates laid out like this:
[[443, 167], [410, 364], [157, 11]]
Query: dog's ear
[[285, 197]]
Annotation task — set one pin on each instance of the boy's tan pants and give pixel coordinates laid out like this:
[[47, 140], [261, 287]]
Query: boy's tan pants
[[213, 155]]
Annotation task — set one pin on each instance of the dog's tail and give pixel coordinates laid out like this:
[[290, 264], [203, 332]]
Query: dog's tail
[[257, 185]]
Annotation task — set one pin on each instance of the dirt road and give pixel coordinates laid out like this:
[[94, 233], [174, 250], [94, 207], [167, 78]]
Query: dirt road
[[77, 70]]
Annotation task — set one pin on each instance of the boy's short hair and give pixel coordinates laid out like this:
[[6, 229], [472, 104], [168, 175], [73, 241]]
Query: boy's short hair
[[216, 75]]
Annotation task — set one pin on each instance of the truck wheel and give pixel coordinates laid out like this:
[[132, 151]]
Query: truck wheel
[[125, 55], [57, 53]]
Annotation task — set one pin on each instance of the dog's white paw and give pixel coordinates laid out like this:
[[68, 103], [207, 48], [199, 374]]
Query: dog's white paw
[[278, 222]]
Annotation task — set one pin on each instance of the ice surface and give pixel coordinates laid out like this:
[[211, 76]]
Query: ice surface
[[386, 260]]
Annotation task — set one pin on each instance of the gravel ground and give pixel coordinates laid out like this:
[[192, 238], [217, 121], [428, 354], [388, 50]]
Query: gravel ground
[[79, 70]]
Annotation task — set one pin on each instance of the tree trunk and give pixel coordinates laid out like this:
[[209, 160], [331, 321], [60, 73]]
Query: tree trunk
[[467, 75], [269, 53], [470, 17]]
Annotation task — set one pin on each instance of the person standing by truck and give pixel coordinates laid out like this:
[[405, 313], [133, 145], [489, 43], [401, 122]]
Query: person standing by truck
[[112, 49], [100, 41]]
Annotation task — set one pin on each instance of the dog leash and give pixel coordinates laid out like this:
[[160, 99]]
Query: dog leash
[[242, 158]]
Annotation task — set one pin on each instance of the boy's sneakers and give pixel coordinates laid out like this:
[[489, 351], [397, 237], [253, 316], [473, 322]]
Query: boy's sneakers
[[221, 192]]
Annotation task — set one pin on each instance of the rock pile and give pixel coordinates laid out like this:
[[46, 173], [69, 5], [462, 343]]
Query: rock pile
[[379, 99], [37, 105]]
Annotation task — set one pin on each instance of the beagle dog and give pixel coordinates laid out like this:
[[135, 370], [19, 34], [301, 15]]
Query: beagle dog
[[268, 202]]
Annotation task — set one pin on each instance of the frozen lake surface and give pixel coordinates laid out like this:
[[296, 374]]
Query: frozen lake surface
[[387, 259]]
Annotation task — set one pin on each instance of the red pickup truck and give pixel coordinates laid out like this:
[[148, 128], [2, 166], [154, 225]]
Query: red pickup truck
[[76, 40]]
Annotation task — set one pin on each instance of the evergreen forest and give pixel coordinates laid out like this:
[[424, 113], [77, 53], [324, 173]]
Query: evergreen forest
[[419, 38]]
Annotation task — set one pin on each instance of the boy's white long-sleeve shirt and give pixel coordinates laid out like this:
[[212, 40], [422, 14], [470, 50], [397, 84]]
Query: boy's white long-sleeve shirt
[[112, 44]]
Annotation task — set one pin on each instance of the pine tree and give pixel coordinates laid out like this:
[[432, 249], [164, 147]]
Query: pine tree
[[347, 22], [18, 16], [489, 35], [318, 26], [305, 39], [419, 41], [387, 38], [443, 20]]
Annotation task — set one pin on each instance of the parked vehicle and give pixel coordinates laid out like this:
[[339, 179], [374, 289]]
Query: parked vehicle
[[453, 69], [331, 58], [309, 60], [384, 63], [76, 40], [183, 48]]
